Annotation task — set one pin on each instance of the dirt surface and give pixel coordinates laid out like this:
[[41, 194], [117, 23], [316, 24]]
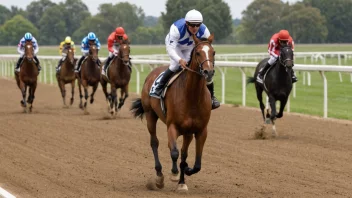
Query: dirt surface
[[57, 152]]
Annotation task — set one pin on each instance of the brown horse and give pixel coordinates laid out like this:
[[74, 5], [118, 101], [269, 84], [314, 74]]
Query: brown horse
[[67, 75], [119, 75], [188, 105], [27, 77], [89, 76]]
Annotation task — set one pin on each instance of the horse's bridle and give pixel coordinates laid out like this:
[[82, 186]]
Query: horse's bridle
[[200, 64], [283, 62], [120, 57]]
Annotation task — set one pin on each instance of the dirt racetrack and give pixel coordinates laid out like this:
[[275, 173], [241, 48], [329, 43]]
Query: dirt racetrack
[[57, 152]]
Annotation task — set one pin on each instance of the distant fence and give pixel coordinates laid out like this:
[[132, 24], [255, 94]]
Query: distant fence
[[7, 63]]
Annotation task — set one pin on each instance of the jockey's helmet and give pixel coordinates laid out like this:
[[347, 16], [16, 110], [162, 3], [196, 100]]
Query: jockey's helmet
[[68, 40], [91, 36], [28, 36], [119, 31], [284, 35], [194, 16]]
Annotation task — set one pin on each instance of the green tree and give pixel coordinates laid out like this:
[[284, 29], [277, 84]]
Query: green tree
[[14, 29], [298, 18], [75, 11], [124, 14], [52, 27], [260, 20], [338, 18], [36, 10], [96, 24], [4, 14]]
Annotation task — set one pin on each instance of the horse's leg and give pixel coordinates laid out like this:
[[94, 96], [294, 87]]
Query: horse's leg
[[63, 91], [152, 118], [187, 139], [31, 94], [282, 107], [172, 143], [260, 99], [104, 86], [23, 88], [124, 95], [72, 91], [94, 90], [272, 103], [85, 87], [80, 92], [113, 99]]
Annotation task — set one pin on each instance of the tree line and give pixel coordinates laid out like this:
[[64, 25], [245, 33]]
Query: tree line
[[309, 21]]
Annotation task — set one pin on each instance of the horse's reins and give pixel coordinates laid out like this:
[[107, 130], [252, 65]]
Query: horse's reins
[[199, 64]]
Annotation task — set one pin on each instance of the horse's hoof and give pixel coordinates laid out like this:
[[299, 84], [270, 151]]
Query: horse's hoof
[[267, 121], [182, 188], [91, 101], [274, 132], [159, 182], [174, 177]]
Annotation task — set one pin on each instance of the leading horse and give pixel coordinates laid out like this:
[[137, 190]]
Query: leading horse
[[188, 105], [27, 77], [118, 75], [277, 84], [67, 75], [89, 76]]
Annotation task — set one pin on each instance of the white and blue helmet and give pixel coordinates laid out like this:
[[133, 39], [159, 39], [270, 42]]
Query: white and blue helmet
[[91, 36], [28, 36]]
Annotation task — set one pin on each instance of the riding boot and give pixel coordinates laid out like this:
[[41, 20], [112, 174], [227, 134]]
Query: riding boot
[[214, 101], [103, 71], [261, 72], [79, 64], [294, 77], [17, 69], [38, 63], [162, 83], [58, 65]]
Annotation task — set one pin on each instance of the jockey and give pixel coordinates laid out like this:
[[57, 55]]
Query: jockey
[[67, 43], [20, 48], [179, 45], [115, 39], [85, 49], [277, 40]]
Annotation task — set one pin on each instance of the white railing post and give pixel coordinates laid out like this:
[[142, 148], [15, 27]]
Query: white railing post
[[137, 78], [325, 94], [243, 87], [222, 85]]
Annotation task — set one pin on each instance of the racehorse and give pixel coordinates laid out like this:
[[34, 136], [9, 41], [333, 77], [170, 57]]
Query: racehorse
[[188, 109], [89, 76], [67, 75], [118, 75], [27, 77], [277, 84]]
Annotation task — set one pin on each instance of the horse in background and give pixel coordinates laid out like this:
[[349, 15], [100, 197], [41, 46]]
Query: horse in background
[[27, 77], [67, 75], [277, 84], [89, 76], [118, 74], [188, 109]]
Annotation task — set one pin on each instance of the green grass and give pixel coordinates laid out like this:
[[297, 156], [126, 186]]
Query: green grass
[[309, 99]]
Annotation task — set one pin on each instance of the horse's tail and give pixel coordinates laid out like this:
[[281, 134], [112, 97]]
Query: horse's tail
[[250, 80], [137, 108]]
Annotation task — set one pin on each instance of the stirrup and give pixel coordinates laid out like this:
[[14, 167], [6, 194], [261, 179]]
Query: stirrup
[[214, 103]]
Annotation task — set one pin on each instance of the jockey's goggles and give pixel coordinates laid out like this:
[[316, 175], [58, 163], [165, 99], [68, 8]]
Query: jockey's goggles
[[194, 24]]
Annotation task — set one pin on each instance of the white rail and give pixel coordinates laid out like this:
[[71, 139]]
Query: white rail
[[7, 67]]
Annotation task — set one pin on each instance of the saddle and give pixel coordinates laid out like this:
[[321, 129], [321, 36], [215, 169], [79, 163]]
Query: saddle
[[163, 93]]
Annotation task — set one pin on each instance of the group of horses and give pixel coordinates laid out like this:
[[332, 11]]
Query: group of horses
[[118, 75], [187, 101]]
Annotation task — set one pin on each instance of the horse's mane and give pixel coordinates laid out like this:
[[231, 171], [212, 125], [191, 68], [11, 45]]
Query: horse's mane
[[202, 40], [126, 42]]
